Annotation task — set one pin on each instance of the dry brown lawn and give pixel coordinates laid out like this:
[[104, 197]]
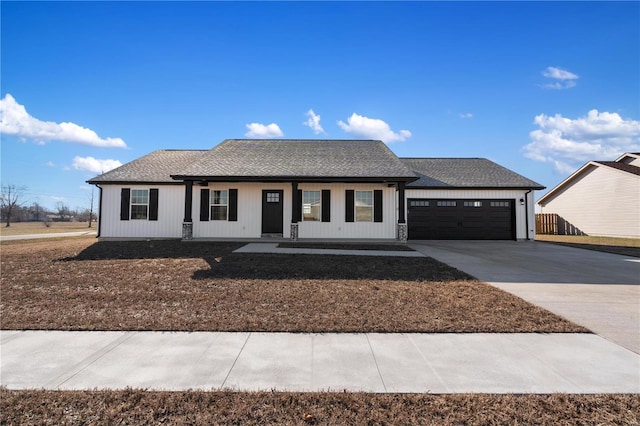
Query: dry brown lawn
[[623, 246], [82, 284], [129, 407], [24, 228]]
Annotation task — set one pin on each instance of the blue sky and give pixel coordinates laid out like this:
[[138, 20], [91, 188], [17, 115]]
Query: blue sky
[[538, 87]]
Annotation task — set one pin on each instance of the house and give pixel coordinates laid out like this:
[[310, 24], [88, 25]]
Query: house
[[311, 189], [601, 198]]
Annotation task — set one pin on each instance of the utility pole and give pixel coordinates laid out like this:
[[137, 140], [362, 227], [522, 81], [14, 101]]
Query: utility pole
[[91, 207]]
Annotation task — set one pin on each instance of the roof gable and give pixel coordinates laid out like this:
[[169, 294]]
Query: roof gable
[[464, 173], [613, 166], [295, 158]]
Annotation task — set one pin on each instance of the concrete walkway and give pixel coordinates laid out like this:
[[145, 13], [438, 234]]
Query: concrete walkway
[[600, 291], [51, 235], [437, 363], [273, 248]]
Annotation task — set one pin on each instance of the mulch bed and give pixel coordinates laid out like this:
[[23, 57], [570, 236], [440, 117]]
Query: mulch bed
[[127, 407], [81, 284]]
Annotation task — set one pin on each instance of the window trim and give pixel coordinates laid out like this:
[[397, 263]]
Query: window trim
[[370, 207], [319, 204], [212, 193], [146, 205]]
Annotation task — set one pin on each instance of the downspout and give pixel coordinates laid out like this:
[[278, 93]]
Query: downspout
[[526, 211], [99, 211]]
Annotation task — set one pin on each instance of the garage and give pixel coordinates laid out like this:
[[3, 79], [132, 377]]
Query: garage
[[461, 219]]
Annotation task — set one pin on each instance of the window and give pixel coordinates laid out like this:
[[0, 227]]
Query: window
[[473, 203], [311, 206], [273, 197], [219, 204], [419, 203], [446, 204], [139, 204], [364, 206], [499, 204]]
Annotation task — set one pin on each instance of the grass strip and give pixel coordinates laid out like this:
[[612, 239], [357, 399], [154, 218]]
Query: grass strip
[[42, 407]]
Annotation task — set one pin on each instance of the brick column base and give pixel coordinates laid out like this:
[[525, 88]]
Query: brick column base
[[294, 232]]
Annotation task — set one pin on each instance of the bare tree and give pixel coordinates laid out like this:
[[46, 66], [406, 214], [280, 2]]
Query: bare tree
[[91, 207], [11, 198], [62, 210]]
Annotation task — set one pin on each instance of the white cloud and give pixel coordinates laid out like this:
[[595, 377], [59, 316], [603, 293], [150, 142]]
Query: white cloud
[[559, 74], [94, 165], [372, 128], [313, 122], [260, 131], [568, 143], [564, 79], [51, 164], [16, 121], [466, 115]]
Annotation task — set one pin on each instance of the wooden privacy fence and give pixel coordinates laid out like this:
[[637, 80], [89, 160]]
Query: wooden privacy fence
[[552, 224]]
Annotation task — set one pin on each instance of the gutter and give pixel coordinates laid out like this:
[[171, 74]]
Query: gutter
[[526, 211], [99, 210]]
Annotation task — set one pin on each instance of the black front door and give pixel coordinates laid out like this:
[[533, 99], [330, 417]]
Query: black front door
[[272, 211]]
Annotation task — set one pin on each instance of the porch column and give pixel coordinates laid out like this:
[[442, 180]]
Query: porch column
[[401, 233], [294, 213], [187, 223]]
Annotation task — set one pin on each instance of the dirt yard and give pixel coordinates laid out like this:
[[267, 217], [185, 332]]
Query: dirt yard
[[24, 228], [622, 246], [126, 407], [82, 284]]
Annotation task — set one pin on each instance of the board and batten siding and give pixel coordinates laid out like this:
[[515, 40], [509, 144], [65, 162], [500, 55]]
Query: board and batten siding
[[338, 227], [170, 214], [249, 223], [502, 194], [603, 202]]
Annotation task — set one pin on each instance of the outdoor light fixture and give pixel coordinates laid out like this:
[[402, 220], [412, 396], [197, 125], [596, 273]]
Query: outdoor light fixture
[[522, 201]]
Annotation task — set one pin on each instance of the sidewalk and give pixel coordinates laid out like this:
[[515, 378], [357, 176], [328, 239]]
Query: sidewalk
[[437, 363]]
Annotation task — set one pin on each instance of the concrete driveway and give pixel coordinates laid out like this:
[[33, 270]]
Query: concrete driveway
[[600, 291]]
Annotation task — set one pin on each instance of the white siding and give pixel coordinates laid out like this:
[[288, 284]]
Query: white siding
[[249, 223], [338, 228], [602, 202], [507, 194], [170, 214]]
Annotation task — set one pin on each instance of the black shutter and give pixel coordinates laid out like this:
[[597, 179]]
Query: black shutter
[[377, 205], [349, 203], [326, 205], [298, 212], [153, 204], [233, 205], [125, 196], [204, 205]]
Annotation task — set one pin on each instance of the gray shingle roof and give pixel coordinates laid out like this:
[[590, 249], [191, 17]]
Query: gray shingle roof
[[156, 167], [284, 158], [635, 170], [464, 173]]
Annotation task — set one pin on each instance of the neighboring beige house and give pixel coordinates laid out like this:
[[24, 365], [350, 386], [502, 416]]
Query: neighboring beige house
[[602, 198]]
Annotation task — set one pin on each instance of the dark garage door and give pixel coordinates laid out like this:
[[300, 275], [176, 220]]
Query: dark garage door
[[461, 219]]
